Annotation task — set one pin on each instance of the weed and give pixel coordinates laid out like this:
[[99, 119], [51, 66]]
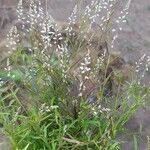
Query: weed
[[63, 89]]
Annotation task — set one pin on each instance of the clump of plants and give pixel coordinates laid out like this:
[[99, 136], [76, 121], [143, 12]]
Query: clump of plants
[[61, 88]]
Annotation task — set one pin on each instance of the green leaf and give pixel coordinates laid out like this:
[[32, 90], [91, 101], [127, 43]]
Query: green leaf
[[15, 75], [27, 146], [135, 142]]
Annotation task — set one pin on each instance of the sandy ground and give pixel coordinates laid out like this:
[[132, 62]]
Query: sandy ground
[[133, 42]]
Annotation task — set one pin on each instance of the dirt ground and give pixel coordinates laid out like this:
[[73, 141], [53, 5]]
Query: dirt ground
[[133, 43]]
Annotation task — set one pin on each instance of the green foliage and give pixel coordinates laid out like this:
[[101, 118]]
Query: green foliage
[[65, 91], [54, 121]]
